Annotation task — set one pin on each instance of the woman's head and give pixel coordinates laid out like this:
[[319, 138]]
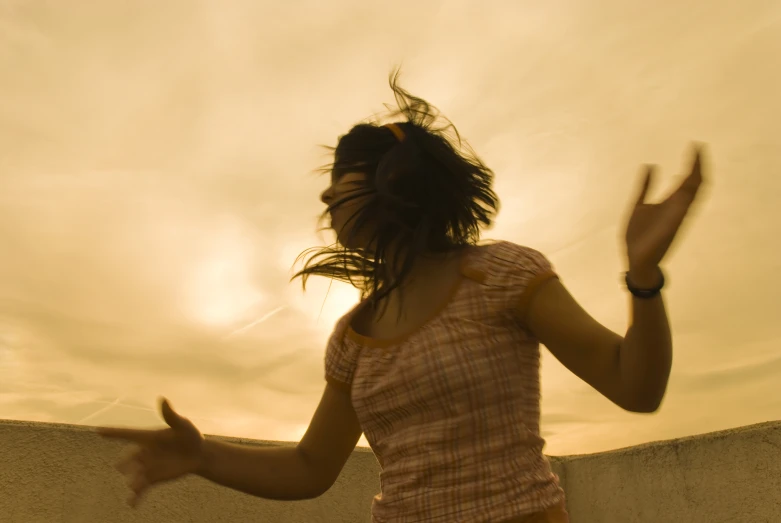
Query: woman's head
[[399, 192]]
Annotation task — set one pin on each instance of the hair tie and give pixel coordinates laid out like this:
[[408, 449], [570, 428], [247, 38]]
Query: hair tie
[[396, 130]]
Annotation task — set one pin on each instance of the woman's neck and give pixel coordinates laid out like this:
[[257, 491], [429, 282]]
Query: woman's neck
[[426, 271]]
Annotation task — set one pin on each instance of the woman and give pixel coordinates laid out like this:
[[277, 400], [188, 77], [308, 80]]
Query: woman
[[439, 362]]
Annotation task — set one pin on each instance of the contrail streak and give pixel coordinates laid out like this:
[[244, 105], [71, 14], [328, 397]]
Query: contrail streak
[[244, 329], [101, 410]]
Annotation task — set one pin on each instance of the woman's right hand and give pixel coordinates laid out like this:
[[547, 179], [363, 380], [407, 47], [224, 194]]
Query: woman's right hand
[[162, 455]]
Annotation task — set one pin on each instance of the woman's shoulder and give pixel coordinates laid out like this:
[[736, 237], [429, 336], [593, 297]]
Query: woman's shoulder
[[343, 324], [503, 255], [508, 271]]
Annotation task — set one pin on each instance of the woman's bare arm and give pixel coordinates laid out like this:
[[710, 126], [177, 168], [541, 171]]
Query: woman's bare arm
[[631, 371], [290, 473]]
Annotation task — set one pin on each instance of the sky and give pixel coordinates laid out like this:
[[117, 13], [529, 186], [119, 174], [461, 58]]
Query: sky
[[157, 183]]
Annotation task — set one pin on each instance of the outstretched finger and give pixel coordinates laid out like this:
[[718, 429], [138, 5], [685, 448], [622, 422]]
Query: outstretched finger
[[173, 419], [128, 465], [140, 436], [135, 496], [649, 173], [691, 183], [137, 482]]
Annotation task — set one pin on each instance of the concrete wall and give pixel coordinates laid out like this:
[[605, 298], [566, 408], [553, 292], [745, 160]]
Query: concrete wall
[[59, 473], [731, 476]]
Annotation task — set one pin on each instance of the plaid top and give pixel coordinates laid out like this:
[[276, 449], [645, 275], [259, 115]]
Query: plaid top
[[452, 411]]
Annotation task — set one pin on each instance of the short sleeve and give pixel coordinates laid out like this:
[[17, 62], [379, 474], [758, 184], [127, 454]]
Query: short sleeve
[[520, 272], [340, 357]]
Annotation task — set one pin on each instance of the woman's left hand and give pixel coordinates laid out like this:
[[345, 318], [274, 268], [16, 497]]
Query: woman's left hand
[[652, 226]]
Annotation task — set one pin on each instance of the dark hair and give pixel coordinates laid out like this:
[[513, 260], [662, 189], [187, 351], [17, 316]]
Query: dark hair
[[428, 193]]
